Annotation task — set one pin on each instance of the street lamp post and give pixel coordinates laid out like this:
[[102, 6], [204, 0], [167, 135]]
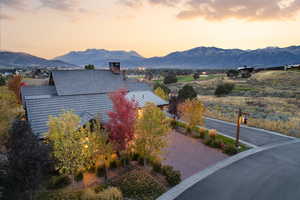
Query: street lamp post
[[238, 126]]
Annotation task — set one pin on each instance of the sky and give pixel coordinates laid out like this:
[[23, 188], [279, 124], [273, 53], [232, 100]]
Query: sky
[[50, 28]]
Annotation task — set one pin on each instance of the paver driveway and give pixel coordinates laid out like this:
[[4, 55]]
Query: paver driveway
[[189, 155]]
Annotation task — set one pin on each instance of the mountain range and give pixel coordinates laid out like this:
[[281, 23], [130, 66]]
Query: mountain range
[[200, 57], [23, 60]]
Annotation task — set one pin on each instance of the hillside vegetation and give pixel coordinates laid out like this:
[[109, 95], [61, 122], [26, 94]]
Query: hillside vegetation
[[272, 99]]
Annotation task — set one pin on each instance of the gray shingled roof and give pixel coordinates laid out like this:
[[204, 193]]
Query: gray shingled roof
[[29, 91], [76, 82], [142, 97], [86, 106]]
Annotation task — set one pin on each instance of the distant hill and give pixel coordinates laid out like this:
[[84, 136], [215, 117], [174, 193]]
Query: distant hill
[[200, 57], [21, 60], [101, 57], [211, 57]]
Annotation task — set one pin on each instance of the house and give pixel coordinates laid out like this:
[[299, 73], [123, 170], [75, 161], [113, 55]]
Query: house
[[8, 72], [85, 92]]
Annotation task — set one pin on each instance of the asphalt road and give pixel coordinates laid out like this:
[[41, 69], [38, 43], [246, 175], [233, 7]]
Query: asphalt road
[[258, 137], [271, 174]]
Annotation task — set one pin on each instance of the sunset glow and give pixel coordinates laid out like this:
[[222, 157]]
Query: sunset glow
[[49, 28]]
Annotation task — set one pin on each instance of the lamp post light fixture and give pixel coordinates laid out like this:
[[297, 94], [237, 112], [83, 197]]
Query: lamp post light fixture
[[242, 118]]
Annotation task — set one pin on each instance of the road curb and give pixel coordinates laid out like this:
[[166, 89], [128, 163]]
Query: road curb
[[189, 182]]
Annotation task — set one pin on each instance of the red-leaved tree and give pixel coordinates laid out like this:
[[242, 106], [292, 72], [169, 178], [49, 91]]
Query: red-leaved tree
[[15, 84], [122, 120]]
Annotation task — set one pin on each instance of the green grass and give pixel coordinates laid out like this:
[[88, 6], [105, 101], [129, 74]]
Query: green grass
[[190, 78], [186, 78], [243, 88]]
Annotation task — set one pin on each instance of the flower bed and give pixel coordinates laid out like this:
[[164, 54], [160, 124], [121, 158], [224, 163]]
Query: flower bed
[[210, 138], [139, 184]]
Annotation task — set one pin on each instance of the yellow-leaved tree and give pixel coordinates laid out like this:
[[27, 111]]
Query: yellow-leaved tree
[[151, 130], [8, 112], [192, 112], [159, 92], [101, 148], [74, 146]]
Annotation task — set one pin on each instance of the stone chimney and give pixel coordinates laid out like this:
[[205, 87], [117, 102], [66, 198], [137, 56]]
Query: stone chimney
[[115, 67], [124, 74]]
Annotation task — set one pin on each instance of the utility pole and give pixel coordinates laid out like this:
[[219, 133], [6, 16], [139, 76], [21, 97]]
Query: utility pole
[[238, 128]]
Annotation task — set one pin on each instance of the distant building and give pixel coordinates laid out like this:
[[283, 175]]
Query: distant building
[[8, 72], [294, 66]]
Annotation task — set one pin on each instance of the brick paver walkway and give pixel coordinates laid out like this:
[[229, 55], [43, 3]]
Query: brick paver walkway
[[189, 155]]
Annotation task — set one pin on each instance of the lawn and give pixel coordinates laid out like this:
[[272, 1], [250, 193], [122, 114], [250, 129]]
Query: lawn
[[190, 78]]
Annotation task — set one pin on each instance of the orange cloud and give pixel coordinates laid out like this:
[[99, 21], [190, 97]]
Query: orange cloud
[[6, 17], [250, 10]]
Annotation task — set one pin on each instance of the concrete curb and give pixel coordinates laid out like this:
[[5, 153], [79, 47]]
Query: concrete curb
[[253, 128], [189, 182]]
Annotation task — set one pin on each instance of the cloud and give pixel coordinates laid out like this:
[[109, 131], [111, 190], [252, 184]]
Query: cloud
[[6, 17], [61, 5], [139, 3], [241, 9], [17, 4]]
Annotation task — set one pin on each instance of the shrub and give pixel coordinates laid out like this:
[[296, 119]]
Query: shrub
[[162, 86], [138, 184], [207, 140], [113, 164], [100, 188], [57, 182], [230, 149], [202, 132], [188, 130], [135, 157], [224, 89], [233, 73], [157, 167], [111, 193], [159, 92], [187, 92], [173, 177], [89, 67], [54, 195], [92, 169], [216, 143], [108, 193], [79, 177], [2, 80], [174, 124], [212, 133], [196, 76], [141, 160], [166, 169], [100, 172], [171, 78], [125, 160]]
